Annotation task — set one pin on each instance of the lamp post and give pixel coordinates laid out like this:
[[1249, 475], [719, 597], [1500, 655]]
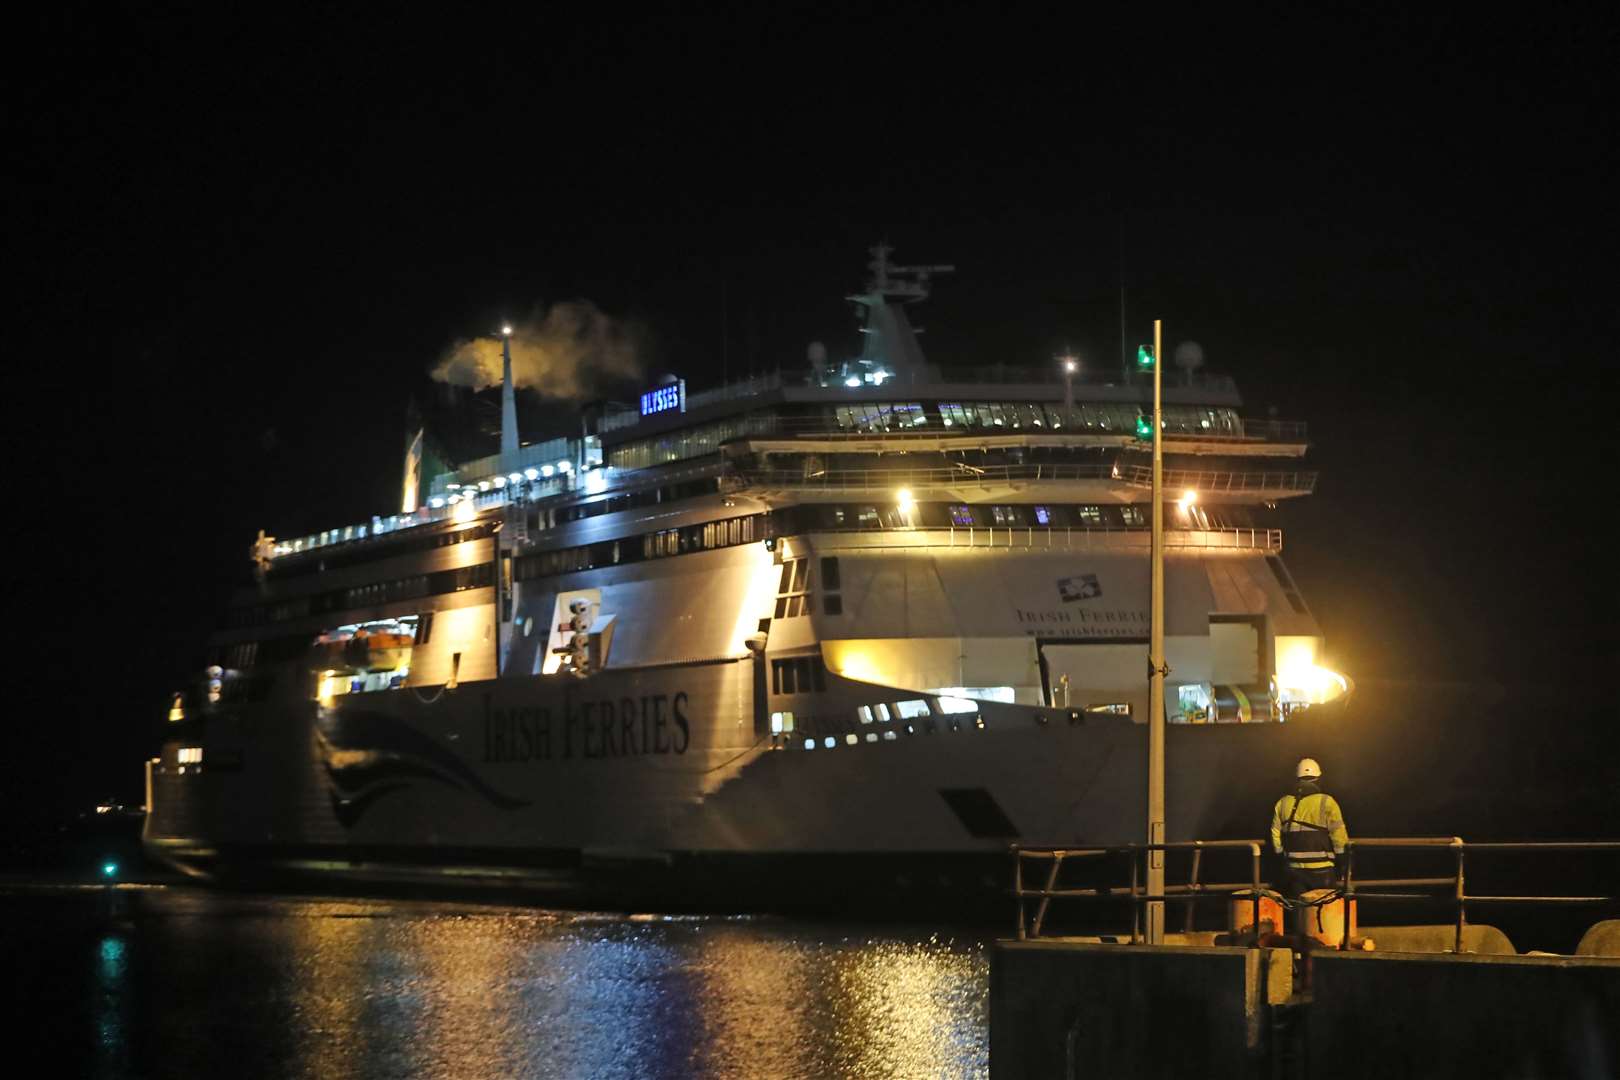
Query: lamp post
[[1157, 670], [509, 432]]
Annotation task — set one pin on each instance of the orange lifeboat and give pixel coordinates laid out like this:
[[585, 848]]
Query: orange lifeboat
[[381, 648]]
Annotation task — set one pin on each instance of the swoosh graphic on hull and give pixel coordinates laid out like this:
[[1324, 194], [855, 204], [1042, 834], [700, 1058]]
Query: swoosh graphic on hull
[[367, 755]]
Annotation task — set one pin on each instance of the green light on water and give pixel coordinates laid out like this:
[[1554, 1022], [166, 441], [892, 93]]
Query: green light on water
[[109, 869]]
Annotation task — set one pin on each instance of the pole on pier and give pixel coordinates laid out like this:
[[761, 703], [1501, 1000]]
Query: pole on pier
[[1157, 668]]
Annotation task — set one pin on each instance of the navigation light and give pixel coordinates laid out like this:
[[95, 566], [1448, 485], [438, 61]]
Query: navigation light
[[109, 869], [1144, 358]]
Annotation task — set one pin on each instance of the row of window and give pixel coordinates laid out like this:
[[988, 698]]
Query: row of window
[[799, 675], [414, 587], [1114, 418], [729, 532], [830, 516], [358, 554], [689, 443], [928, 726], [687, 489]]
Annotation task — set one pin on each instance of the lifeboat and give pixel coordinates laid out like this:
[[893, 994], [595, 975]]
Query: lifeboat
[[360, 651]]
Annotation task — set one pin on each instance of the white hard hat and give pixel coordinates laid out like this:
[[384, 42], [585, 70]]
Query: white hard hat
[[1308, 769]]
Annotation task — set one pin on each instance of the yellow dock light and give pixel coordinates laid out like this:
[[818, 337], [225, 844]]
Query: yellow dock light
[[1188, 497], [904, 502], [506, 331]]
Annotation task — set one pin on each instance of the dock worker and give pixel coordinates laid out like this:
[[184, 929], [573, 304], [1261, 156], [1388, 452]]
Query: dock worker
[[1307, 827]]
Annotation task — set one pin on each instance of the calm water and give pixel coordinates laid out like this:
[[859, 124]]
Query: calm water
[[181, 982]]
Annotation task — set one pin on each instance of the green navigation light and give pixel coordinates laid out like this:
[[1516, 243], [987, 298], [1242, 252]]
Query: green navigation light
[[1144, 427], [1144, 357], [109, 869]]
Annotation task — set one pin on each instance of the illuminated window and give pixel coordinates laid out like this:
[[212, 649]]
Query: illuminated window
[[829, 742], [189, 755], [881, 711], [865, 713], [890, 735], [961, 515], [1112, 709], [852, 738], [1043, 515], [871, 736], [809, 744], [781, 723], [911, 709], [1091, 515]]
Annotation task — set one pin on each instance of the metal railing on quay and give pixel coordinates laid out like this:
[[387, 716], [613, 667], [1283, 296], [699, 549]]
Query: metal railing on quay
[[1456, 883], [1190, 894]]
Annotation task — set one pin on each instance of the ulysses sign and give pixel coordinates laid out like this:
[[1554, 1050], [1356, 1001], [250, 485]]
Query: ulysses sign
[[602, 728], [671, 398]]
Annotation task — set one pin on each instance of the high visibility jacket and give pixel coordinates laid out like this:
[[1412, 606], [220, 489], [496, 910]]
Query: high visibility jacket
[[1309, 829]]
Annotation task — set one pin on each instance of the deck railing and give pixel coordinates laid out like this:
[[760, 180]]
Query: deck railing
[[1063, 538], [961, 475]]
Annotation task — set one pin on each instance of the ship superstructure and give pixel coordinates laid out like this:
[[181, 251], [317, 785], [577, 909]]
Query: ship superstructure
[[872, 608]]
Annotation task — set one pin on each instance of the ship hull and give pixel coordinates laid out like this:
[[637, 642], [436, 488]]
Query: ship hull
[[658, 789]]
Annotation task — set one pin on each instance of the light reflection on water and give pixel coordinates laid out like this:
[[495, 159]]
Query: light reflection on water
[[189, 983]]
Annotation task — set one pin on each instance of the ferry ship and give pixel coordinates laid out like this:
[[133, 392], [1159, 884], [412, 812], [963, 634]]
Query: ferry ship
[[834, 636]]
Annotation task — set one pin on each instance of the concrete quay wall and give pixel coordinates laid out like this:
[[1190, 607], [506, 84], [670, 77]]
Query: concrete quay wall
[[1072, 1009], [1397, 1015], [1076, 1009]]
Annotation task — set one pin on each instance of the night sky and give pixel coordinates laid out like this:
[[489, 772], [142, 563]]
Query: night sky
[[241, 245]]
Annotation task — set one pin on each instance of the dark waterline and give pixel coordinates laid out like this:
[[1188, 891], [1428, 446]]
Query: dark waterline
[[181, 982]]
